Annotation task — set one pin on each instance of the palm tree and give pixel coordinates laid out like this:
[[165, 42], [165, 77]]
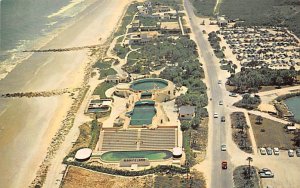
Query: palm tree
[[249, 159], [258, 119]]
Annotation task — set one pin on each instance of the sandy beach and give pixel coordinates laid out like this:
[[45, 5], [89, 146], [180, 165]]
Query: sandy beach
[[27, 125]]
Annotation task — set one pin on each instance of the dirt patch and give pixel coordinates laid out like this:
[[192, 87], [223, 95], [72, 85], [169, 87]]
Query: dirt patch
[[199, 140], [78, 177], [193, 180], [240, 131], [241, 177], [271, 134]]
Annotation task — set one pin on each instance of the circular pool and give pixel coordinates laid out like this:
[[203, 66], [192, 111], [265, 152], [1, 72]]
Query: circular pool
[[116, 156], [148, 84]]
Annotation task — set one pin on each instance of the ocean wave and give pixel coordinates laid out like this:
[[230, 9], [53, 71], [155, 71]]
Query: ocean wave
[[66, 8]]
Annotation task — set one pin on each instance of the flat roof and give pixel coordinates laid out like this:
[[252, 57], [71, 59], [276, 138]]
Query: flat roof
[[186, 110], [83, 154]]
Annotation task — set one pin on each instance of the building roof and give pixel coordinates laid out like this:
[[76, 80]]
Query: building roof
[[83, 154], [177, 151], [106, 103], [186, 110], [169, 25]]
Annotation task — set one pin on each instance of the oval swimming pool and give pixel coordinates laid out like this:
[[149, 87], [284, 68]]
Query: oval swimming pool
[[115, 156]]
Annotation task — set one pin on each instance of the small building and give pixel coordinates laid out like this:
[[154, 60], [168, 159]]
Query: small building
[[163, 8], [83, 154], [186, 112], [135, 25], [143, 37], [117, 78], [177, 152], [222, 21]]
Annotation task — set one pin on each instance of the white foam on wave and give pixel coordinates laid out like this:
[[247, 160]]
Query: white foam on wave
[[66, 8]]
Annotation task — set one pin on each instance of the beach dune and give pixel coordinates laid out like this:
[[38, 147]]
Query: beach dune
[[27, 125]]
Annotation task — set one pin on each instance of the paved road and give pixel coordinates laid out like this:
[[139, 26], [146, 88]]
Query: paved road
[[219, 178]]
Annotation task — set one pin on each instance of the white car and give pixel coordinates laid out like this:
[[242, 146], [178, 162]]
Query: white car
[[220, 102], [219, 82], [263, 151], [291, 153], [223, 147], [276, 151], [216, 115]]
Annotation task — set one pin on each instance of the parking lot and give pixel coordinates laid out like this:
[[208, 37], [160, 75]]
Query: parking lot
[[259, 46], [285, 169]]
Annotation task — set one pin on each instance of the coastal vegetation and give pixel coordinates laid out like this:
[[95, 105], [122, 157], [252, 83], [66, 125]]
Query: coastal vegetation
[[154, 170], [251, 80], [289, 95], [214, 41], [195, 180], [240, 131], [242, 178], [249, 102], [204, 7], [264, 13]]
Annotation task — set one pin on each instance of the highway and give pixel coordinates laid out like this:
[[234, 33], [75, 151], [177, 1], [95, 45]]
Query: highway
[[219, 178]]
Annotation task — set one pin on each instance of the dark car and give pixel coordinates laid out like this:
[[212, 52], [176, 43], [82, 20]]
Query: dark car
[[224, 164], [269, 151], [298, 152], [223, 119]]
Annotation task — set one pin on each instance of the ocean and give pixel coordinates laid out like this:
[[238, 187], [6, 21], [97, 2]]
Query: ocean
[[29, 24]]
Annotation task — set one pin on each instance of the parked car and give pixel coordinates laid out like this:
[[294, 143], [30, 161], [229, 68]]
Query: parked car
[[263, 170], [224, 164], [216, 115], [223, 147], [219, 82], [263, 151], [291, 153], [233, 95], [223, 119], [276, 151], [220, 102], [266, 174], [298, 152], [269, 151]]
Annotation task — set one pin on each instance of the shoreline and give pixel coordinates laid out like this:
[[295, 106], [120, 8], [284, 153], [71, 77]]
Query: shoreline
[[43, 72]]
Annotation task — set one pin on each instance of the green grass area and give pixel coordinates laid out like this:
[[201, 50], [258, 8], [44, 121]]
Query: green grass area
[[121, 51], [134, 55], [102, 64], [148, 21], [204, 7], [116, 156], [101, 89], [105, 72], [271, 133]]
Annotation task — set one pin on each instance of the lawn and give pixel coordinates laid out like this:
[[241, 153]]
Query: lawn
[[105, 72], [271, 134], [102, 88]]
